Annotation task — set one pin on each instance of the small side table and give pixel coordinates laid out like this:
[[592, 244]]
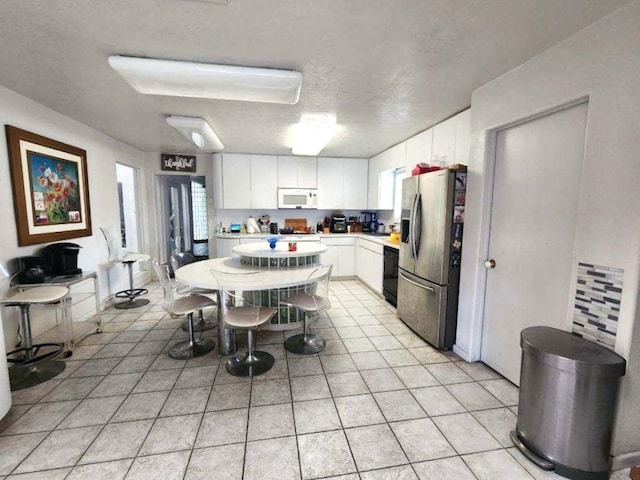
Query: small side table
[[33, 367]]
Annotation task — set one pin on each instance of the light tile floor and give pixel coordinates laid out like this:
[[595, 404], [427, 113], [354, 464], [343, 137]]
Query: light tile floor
[[378, 403]]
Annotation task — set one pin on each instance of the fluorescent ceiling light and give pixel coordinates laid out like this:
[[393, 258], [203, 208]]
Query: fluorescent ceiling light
[[197, 131], [205, 80], [312, 133]]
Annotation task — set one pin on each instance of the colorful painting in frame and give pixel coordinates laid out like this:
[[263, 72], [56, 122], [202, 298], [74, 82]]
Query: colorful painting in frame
[[50, 188]]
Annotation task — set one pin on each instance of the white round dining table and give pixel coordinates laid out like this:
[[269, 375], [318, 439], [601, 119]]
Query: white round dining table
[[201, 275]]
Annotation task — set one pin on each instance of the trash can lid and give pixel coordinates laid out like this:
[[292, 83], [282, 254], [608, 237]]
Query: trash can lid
[[570, 353]]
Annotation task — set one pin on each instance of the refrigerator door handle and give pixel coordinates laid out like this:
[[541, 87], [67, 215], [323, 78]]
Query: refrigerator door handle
[[417, 224], [425, 287], [414, 253]]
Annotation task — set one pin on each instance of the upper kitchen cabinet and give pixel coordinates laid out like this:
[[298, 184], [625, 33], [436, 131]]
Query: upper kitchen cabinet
[[264, 181], [236, 180], [418, 150], [243, 181], [342, 183], [297, 172], [330, 183], [444, 143], [463, 137]]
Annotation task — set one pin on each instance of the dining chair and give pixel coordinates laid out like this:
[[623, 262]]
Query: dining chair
[[239, 314], [183, 305], [178, 260], [313, 302]]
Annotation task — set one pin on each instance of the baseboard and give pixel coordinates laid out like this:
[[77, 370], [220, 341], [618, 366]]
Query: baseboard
[[461, 353]]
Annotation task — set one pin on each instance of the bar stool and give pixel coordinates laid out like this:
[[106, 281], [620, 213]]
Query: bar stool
[[313, 301], [131, 294], [186, 305], [243, 317], [32, 367], [180, 260]]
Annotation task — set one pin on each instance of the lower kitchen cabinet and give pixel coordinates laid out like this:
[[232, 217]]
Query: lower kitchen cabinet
[[224, 246], [370, 263], [341, 254]]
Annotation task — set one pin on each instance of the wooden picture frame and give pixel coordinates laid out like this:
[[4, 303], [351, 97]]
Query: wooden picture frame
[[50, 188]]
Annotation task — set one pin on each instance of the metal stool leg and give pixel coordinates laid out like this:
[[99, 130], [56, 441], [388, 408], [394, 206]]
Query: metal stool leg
[[131, 294], [253, 363], [33, 369], [193, 347], [202, 325], [305, 343]]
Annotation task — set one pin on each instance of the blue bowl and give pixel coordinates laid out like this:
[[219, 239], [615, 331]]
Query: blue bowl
[[272, 241]]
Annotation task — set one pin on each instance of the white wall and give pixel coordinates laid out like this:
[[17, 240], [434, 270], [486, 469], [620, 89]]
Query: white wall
[[102, 154], [601, 62]]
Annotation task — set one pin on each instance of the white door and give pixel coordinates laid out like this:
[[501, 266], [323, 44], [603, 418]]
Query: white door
[[538, 168]]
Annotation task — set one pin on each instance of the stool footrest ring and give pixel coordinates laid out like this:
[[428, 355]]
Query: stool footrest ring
[[36, 358]]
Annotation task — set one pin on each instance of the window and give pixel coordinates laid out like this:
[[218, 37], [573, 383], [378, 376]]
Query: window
[[199, 206]]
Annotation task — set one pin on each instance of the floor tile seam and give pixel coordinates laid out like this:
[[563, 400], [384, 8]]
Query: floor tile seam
[[494, 396], [474, 473], [518, 461], [152, 424], [335, 406], [30, 452], [31, 405], [246, 430]]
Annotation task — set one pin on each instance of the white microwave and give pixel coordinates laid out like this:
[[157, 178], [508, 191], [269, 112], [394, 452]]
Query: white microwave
[[297, 198]]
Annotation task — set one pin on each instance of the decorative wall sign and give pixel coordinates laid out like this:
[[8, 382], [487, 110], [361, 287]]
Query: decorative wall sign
[[178, 163], [50, 188]]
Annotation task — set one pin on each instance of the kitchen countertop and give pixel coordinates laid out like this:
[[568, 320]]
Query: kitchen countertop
[[380, 239]]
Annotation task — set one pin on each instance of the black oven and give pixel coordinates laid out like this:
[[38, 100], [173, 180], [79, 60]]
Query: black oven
[[390, 276]]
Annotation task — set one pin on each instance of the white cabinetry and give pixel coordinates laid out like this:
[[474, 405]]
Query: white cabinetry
[[330, 183], [297, 172], [418, 150], [243, 181], [341, 254], [370, 263], [264, 181], [236, 180], [372, 190], [342, 183], [224, 246], [444, 143], [463, 140], [354, 193]]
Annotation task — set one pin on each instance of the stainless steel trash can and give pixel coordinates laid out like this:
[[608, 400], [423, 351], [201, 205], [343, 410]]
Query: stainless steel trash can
[[568, 391]]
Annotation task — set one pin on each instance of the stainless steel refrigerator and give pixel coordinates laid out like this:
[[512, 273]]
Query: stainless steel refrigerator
[[431, 245]]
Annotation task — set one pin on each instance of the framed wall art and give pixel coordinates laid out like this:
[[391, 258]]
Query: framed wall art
[[50, 188]]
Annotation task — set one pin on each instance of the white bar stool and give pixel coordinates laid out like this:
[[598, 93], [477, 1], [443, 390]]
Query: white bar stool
[[30, 367], [132, 294]]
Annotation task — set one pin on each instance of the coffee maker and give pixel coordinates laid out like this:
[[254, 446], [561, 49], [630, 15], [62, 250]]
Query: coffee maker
[[32, 270], [338, 223], [369, 221], [62, 258]]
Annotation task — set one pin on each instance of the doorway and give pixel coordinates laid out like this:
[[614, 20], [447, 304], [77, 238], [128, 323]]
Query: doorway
[[536, 189], [128, 204], [184, 215]]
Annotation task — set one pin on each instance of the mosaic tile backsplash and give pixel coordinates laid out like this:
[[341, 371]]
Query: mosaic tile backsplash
[[597, 303]]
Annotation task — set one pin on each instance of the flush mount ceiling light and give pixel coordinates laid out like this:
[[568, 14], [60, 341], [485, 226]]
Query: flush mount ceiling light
[[205, 80], [312, 133], [197, 131]]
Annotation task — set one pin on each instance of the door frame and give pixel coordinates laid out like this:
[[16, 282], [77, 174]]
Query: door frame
[[161, 203], [479, 281]]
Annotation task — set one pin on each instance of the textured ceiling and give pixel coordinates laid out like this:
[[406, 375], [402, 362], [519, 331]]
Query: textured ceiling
[[386, 68]]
